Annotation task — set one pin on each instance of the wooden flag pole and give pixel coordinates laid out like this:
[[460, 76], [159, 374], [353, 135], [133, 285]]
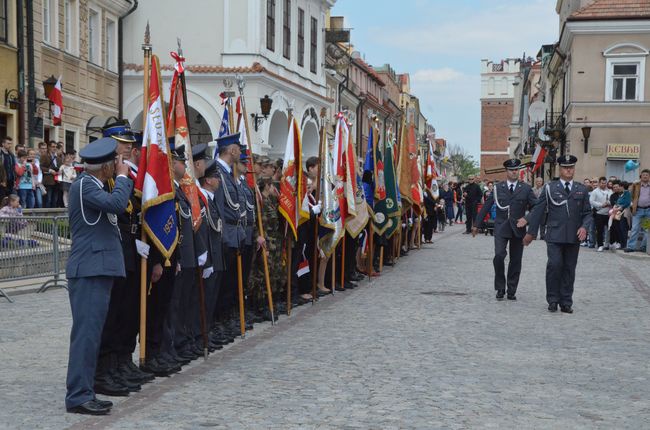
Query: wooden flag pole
[[315, 257], [371, 246], [289, 274], [146, 47], [381, 258], [333, 275], [258, 197], [343, 261], [240, 295]]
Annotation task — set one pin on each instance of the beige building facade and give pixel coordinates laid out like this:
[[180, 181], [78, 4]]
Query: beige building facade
[[602, 85], [76, 40]]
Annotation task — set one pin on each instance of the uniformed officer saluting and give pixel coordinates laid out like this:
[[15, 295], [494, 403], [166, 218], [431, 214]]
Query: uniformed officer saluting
[[512, 198], [95, 260], [565, 205]]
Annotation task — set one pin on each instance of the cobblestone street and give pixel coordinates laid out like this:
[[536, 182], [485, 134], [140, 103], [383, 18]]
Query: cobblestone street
[[425, 345]]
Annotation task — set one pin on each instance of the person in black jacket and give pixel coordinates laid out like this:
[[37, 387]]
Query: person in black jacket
[[512, 198], [472, 195]]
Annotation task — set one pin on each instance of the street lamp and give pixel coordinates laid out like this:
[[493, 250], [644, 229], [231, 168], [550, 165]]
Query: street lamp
[[48, 86], [586, 132], [265, 106]]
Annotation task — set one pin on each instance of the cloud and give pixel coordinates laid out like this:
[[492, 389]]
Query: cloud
[[445, 74], [507, 28]]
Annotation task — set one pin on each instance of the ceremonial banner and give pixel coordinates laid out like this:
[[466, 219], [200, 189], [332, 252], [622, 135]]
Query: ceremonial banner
[[409, 174], [344, 189], [291, 183], [155, 179], [387, 212], [178, 128], [331, 224], [357, 208], [431, 172]]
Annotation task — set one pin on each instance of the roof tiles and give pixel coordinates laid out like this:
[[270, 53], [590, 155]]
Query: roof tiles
[[613, 9]]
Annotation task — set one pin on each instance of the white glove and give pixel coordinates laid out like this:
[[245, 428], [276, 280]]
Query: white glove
[[410, 222], [143, 248], [403, 225], [207, 272], [202, 258], [316, 209]]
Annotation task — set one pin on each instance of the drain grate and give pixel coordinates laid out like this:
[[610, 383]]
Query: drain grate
[[442, 293]]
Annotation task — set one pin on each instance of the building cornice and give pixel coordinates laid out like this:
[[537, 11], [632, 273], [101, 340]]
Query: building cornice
[[623, 26], [256, 68], [119, 7]]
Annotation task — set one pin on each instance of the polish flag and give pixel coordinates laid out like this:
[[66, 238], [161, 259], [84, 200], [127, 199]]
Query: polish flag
[[56, 97], [538, 157]]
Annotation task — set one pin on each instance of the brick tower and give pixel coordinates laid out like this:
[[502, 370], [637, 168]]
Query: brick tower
[[497, 97]]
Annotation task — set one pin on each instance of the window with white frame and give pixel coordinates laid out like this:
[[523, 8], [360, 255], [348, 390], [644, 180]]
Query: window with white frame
[[94, 36], [625, 82], [625, 73], [49, 21], [71, 26], [111, 45]]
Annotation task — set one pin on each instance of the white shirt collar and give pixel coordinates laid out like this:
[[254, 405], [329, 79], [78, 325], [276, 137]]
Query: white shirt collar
[[131, 165], [512, 183], [207, 194], [225, 165], [565, 182], [176, 183]]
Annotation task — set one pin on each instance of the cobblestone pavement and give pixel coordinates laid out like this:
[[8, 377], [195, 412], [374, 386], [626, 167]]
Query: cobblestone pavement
[[424, 346]]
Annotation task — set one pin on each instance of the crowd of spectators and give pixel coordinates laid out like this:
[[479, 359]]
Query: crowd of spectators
[[40, 178], [621, 209]]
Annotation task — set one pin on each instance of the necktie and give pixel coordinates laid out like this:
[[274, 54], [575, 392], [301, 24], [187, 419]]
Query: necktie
[[567, 187], [512, 188]]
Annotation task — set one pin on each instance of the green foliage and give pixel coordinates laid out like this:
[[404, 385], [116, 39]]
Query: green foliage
[[463, 165]]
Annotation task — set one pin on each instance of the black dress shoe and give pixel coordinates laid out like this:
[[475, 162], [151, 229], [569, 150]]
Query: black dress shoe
[[91, 407], [104, 384], [350, 285], [500, 294], [388, 263], [154, 367], [566, 309], [104, 403], [512, 297], [552, 307]]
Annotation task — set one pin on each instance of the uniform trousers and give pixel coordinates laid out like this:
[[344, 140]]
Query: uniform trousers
[[561, 272], [158, 306], [516, 248], [89, 298], [212, 286], [227, 297], [122, 320]]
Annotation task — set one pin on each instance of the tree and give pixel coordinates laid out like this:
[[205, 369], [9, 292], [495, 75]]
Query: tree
[[462, 163]]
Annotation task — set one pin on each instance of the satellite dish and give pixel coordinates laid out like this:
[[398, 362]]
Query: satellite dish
[[537, 111], [542, 135]]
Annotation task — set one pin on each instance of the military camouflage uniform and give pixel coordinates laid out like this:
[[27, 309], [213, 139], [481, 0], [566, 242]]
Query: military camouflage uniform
[[277, 267]]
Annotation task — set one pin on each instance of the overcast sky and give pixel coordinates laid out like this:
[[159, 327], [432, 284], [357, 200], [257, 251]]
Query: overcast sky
[[441, 44]]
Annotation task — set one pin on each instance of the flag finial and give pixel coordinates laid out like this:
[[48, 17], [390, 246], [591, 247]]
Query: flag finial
[[146, 46]]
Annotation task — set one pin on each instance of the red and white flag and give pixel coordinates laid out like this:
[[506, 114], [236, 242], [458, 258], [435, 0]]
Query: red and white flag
[[538, 157], [154, 182], [292, 188], [56, 97]]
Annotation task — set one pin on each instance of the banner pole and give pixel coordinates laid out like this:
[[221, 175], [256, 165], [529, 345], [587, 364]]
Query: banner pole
[[146, 47]]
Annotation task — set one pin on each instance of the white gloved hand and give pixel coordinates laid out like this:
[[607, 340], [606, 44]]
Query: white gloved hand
[[403, 225], [410, 222], [316, 209], [143, 248], [202, 258], [207, 272]]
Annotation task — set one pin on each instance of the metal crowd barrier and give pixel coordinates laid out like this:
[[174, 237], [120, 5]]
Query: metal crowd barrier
[[34, 247]]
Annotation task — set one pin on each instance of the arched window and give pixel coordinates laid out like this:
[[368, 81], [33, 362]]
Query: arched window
[[625, 72]]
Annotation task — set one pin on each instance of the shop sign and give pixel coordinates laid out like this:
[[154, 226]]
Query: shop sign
[[625, 151]]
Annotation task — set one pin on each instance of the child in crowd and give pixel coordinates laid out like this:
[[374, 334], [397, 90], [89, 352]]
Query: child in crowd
[[11, 208], [26, 171], [68, 175]]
